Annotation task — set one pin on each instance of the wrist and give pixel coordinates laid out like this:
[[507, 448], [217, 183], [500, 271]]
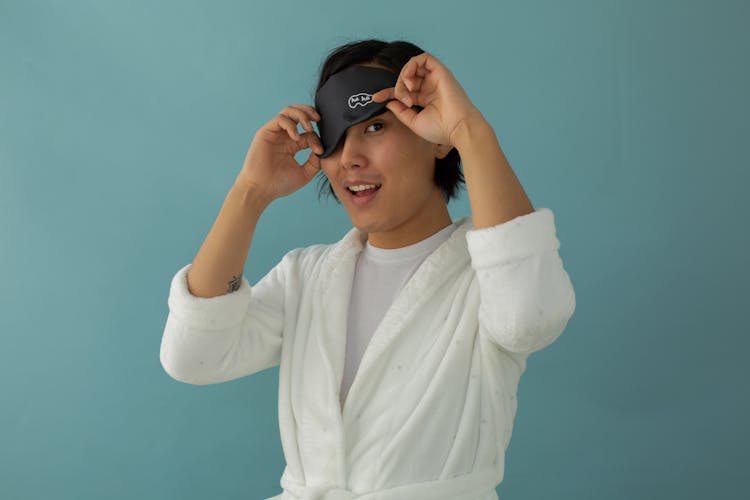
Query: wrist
[[471, 128], [251, 196]]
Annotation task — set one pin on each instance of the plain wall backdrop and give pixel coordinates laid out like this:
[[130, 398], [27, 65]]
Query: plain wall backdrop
[[124, 124]]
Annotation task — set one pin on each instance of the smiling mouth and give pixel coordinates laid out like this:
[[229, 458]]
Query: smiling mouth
[[363, 194], [363, 189]]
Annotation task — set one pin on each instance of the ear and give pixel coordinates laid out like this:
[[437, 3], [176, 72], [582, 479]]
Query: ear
[[442, 150]]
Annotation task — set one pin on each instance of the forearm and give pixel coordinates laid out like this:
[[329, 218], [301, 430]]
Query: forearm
[[218, 266], [495, 194]]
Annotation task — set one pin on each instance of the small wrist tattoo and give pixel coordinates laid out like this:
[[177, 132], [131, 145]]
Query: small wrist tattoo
[[234, 285]]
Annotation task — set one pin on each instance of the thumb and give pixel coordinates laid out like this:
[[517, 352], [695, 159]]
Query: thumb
[[311, 166], [404, 113]]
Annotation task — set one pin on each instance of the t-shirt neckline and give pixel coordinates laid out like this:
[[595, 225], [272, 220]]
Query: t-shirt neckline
[[412, 251]]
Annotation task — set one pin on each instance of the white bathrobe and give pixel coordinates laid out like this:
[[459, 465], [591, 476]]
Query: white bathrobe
[[430, 412]]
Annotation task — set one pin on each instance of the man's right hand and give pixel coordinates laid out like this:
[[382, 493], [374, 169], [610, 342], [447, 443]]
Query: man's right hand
[[270, 167]]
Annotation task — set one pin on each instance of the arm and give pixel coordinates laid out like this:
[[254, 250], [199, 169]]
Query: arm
[[216, 339], [495, 194], [526, 295], [219, 328], [218, 265]]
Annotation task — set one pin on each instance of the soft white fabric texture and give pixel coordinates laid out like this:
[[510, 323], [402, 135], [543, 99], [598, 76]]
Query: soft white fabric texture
[[430, 412], [380, 273]]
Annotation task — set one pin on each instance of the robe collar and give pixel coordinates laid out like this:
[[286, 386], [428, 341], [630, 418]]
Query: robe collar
[[336, 282], [320, 368]]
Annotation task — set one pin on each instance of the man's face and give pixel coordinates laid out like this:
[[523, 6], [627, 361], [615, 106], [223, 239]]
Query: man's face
[[384, 152]]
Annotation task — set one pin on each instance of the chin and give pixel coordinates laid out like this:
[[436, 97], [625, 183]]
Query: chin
[[366, 224]]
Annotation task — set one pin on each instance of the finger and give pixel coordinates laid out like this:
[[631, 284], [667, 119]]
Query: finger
[[383, 95], [414, 85], [398, 92], [402, 93], [302, 116], [404, 113], [425, 62], [312, 141], [416, 69], [311, 166], [290, 125], [308, 110]]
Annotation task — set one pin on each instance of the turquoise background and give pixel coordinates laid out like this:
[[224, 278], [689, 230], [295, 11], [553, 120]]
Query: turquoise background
[[123, 125]]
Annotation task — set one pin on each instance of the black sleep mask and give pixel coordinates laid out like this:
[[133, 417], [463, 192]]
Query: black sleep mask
[[346, 99]]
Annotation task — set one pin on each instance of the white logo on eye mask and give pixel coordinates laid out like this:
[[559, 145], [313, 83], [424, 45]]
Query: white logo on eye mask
[[361, 99]]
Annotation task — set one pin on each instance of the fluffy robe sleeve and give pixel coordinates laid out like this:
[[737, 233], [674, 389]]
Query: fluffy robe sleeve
[[216, 339], [526, 296]]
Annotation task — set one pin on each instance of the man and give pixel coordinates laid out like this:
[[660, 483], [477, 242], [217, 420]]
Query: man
[[401, 346]]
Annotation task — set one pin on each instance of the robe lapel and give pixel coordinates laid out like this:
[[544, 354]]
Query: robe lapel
[[319, 374], [337, 273], [436, 270], [322, 423]]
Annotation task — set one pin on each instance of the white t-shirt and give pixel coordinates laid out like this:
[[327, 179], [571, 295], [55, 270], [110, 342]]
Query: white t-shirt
[[378, 277]]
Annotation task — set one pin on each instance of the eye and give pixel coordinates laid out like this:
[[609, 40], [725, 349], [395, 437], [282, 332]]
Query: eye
[[373, 124]]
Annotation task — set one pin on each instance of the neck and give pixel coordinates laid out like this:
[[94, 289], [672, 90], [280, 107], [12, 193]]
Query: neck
[[431, 220]]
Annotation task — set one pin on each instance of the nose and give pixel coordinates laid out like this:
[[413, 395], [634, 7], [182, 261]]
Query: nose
[[352, 153]]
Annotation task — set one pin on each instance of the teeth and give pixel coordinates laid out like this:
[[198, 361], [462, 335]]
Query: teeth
[[362, 187]]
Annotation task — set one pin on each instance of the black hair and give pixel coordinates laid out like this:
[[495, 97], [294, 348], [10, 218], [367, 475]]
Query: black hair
[[393, 55]]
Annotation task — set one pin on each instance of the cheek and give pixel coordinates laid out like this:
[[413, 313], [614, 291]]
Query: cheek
[[410, 150], [328, 173], [418, 167], [331, 178]]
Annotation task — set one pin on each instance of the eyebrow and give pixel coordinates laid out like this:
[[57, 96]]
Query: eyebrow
[[376, 117]]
